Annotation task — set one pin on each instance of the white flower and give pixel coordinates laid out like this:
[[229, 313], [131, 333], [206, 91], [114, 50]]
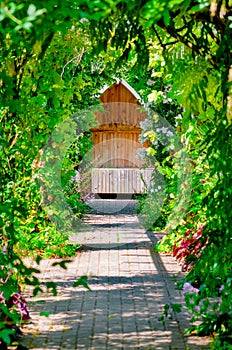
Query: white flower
[[155, 143], [150, 82], [169, 133], [75, 178], [141, 154], [164, 130], [146, 125]]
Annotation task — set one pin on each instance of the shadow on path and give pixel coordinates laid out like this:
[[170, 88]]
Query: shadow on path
[[129, 287]]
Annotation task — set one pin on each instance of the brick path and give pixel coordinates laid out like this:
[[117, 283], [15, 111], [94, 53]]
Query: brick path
[[130, 286]]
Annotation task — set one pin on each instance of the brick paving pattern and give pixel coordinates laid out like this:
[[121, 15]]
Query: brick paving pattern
[[129, 287]]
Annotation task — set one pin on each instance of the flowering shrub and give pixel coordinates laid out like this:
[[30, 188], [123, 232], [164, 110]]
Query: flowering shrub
[[214, 313], [78, 205], [13, 307], [204, 251], [18, 303], [13, 312], [188, 288], [188, 249]]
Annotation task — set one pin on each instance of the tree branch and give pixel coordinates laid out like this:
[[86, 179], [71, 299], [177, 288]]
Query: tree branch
[[79, 57], [158, 37], [172, 32], [163, 45]]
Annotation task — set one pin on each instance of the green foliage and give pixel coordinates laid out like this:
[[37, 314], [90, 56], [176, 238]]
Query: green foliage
[[47, 74], [52, 64]]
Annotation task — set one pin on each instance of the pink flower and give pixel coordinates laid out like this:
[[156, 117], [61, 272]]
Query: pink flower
[[4, 250]]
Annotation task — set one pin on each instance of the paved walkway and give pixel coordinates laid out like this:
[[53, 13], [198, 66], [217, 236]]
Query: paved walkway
[[130, 285]]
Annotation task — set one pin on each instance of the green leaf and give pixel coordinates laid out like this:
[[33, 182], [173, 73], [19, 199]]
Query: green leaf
[[32, 281], [176, 307], [2, 15], [166, 17], [82, 281], [12, 7], [45, 313], [5, 335], [31, 9], [37, 290], [38, 259], [197, 8], [27, 25], [40, 12], [52, 286], [62, 263], [11, 314]]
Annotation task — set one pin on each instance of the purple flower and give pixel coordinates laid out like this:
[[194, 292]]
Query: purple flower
[[221, 288], [197, 308], [188, 288]]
